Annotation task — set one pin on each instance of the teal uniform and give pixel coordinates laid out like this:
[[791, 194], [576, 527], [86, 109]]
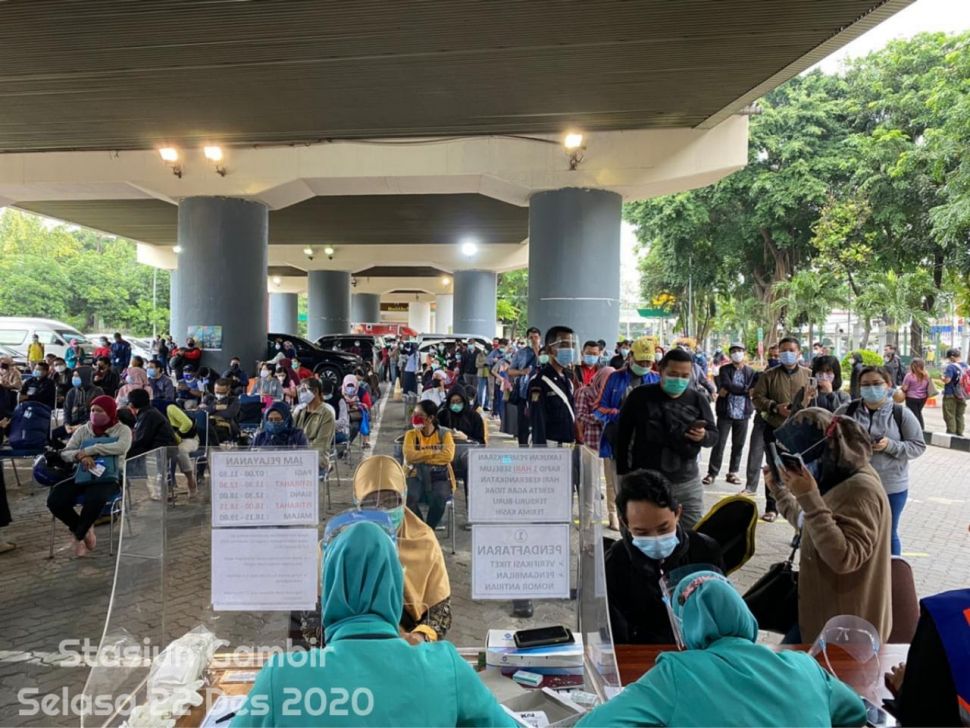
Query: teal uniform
[[367, 675], [725, 679]]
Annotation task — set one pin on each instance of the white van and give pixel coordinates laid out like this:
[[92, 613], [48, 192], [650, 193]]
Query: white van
[[16, 333]]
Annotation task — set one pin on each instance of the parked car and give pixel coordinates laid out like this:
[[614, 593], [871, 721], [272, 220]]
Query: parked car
[[330, 365], [449, 341], [368, 345], [19, 360], [16, 334]]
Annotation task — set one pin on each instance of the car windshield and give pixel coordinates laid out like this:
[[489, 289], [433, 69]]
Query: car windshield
[[68, 335], [13, 337]]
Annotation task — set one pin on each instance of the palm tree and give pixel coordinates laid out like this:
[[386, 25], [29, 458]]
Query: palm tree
[[896, 298], [808, 297]]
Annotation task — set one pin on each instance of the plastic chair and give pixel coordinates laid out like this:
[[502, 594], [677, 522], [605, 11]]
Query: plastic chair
[[331, 470], [905, 602], [450, 517]]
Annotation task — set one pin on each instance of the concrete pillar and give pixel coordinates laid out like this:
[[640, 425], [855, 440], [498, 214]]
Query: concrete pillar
[[475, 302], [328, 303], [444, 313], [172, 297], [419, 316], [574, 261], [221, 279], [283, 313], [365, 308]]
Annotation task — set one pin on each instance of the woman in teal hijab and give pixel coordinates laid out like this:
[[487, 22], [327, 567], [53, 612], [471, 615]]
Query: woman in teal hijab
[[724, 678], [367, 675]]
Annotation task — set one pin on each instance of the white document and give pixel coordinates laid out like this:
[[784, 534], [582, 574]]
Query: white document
[[222, 707], [265, 487], [264, 569], [520, 562], [521, 485]]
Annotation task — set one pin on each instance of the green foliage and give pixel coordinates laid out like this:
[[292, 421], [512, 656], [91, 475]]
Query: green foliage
[[512, 304], [869, 358], [77, 276]]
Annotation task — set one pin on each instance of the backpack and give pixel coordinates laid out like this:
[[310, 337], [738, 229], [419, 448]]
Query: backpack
[[962, 388], [897, 413], [30, 426]]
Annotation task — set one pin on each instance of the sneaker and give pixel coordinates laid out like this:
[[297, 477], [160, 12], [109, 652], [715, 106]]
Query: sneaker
[[6, 546]]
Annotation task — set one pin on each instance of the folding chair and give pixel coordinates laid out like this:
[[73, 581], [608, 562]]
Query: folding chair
[[450, 515], [120, 503]]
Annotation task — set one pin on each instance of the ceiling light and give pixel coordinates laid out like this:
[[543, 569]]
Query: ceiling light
[[328, 250], [277, 280], [469, 248], [308, 251], [177, 249], [213, 153], [573, 140], [169, 154], [445, 281]]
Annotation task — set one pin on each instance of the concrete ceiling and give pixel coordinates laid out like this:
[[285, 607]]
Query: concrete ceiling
[[108, 75], [321, 221]]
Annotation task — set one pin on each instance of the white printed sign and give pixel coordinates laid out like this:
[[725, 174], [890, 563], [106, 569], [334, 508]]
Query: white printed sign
[[265, 488], [520, 485], [264, 569], [520, 562]]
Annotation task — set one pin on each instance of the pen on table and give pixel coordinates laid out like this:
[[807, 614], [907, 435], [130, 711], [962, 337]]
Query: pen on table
[[224, 718]]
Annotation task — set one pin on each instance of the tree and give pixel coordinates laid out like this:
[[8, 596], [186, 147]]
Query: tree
[[808, 298], [512, 300]]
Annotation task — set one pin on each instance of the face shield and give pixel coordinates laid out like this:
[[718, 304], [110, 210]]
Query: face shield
[[565, 350], [801, 437], [849, 646], [349, 518], [674, 603]]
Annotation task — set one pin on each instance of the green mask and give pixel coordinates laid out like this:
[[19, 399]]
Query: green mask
[[674, 386], [637, 369], [397, 516], [456, 407], [543, 359]]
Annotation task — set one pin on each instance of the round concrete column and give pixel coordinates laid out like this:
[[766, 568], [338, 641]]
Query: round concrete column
[[283, 313], [444, 313], [574, 261], [475, 302], [365, 308], [328, 303], [221, 277], [419, 316]]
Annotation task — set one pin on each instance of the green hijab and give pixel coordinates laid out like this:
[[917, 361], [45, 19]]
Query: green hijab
[[710, 609], [363, 584]]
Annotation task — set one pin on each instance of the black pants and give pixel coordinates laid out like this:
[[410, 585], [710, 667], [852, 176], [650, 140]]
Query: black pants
[[737, 430], [435, 491], [756, 458], [916, 407], [524, 424], [4, 506], [61, 499]]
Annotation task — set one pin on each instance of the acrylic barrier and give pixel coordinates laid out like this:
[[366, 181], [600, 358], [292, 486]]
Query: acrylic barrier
[[206, 590]]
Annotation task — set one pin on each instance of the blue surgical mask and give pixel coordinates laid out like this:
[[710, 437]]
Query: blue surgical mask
[[604, 359], [151, 372], [76, 382], [274, 428], [566, 357], [396, 515], [657, 548], [624, 352], [788, 358], [874, 394], [590, 360]]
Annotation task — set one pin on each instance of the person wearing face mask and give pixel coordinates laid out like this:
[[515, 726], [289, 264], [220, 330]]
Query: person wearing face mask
[[827, 393], [35, 351], [524, 364], [663, 427], [639, 369], [845, 522], [316, 420], [428, 454], [300, 370], [358, 404], [61, 375], [333, 400], [163, 391], [10, 381], [73, 355], [467, 426], [105, 377], [266, 386], [238, 378], [134, 378], [733, 408], [896, 438], [654, 542], [621, 354], [40, 387], [701, 685], [775, 394], [288, 381], [551, 406], [102, 437], [224, 409], [772, 360], [77, 403], [588, 365], [277, 429]]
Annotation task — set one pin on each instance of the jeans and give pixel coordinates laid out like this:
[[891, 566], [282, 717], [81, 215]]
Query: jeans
[[410, 383], [737, 430], [953, 414], [483, 392], [897, 501], [61, 499], [498, 403], [691, 497], [421, 487], [916, 407]]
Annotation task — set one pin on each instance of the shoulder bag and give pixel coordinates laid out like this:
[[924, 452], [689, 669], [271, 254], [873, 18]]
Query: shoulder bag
[[773, 599]]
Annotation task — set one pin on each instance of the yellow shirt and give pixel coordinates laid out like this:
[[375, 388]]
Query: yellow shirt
[[35, 352], [436, 449]]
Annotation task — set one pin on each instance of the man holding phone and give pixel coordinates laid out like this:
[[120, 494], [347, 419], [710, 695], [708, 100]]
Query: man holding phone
[[663, 427], [774, 396]]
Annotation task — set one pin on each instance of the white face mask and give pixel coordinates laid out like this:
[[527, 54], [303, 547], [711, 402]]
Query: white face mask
[[264, 374], [737, 356]]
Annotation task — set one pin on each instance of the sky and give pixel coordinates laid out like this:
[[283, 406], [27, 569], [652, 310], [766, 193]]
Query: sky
[[923, 16]]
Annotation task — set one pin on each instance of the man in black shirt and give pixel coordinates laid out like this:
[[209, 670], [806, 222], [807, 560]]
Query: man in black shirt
[[152, 428], [663, 427], [105, 377], [551, 407], [40, 387]]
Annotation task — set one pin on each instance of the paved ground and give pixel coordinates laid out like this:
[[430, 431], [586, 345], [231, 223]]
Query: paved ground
[[44, 602]]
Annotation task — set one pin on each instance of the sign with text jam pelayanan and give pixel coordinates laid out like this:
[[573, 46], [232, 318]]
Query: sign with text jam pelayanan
[[520, 485], [265, 488]]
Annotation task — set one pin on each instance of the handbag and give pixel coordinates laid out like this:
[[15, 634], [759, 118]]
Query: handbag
[[110, 475], [773, 599], [931, 390]]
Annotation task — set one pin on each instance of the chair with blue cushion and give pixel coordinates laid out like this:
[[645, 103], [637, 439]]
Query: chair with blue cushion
[[112, 510]]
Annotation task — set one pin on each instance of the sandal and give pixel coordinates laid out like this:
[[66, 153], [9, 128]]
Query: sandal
[[708, 479], [733, 479], [769, 517]]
